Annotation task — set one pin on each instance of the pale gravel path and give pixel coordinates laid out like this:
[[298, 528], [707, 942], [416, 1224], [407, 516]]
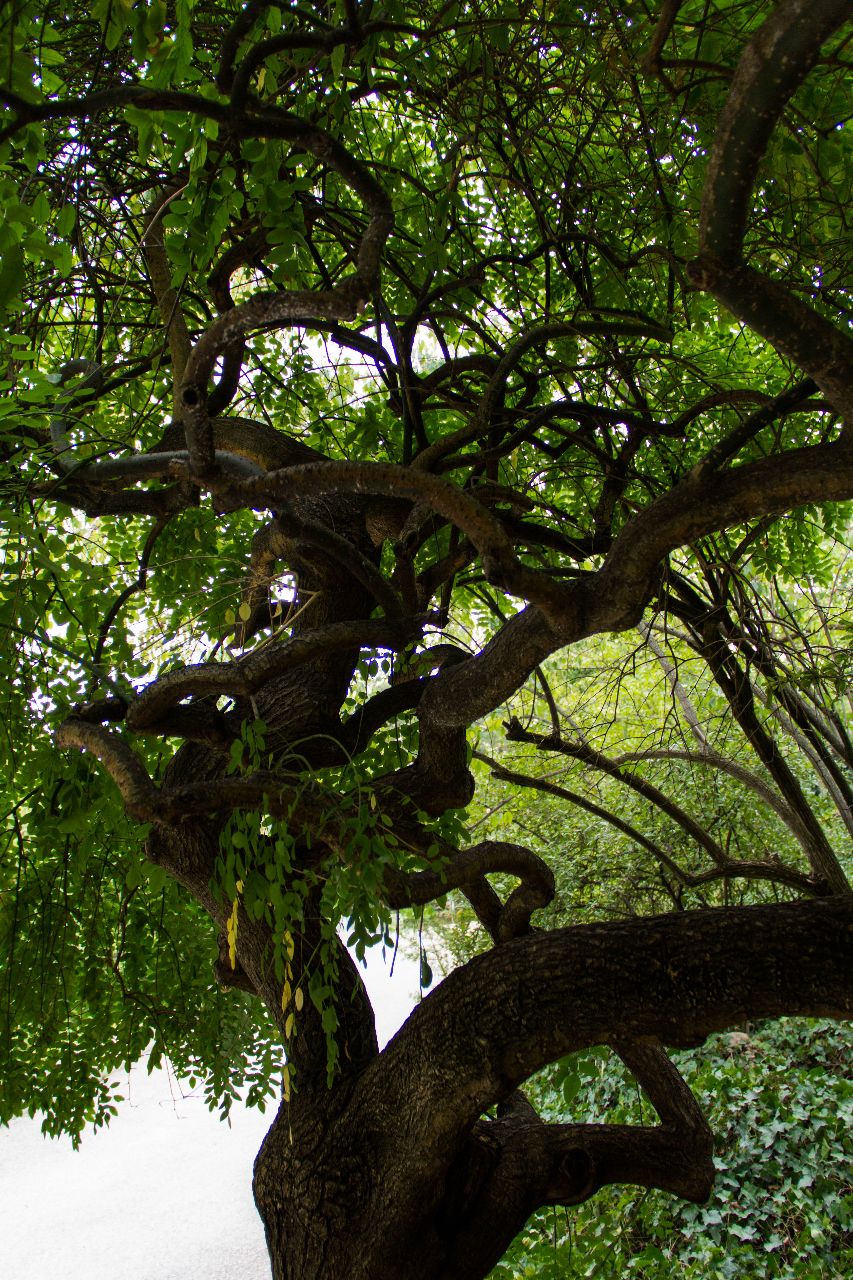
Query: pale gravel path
[[163, 1194]]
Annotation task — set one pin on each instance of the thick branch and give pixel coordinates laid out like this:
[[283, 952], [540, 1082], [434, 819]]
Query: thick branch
[[773, 65], [613, 599], [514, 1164], [245, 677], [794, 329], [124, 766], [771, 68], [679, 977], [452, 503]]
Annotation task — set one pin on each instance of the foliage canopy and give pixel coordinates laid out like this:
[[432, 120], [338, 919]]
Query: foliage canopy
[[368, 368]]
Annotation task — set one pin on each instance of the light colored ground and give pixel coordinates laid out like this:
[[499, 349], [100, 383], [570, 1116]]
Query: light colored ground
[[164, 1193]]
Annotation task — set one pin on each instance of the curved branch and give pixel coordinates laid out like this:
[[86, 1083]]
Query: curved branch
[[677, 978], [124, 766], [516, 1163], [793, 328], [500, 563], [668, 14], [466, 868], [342, 302], [698, 506], [613, 598], [359, 728], [246, 676], [428, 458], [771, 68], [264, 311], [728, 869], [587, 755], [773, 65], [786, 402]]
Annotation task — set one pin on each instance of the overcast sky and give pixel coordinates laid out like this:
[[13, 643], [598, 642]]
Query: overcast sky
[[164, 1193]]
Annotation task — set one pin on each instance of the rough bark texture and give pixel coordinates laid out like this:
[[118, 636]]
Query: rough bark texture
[[398, 1163]]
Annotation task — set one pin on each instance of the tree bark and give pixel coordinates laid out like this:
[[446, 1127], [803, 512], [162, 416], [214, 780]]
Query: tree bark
[[397, 1170]]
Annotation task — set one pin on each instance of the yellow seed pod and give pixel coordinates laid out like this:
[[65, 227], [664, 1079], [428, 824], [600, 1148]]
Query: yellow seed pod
[[231, 935]]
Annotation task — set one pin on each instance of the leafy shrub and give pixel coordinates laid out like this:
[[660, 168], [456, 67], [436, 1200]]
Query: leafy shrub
[[780, 1103]]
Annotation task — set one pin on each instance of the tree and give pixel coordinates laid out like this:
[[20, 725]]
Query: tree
[[359, 359]]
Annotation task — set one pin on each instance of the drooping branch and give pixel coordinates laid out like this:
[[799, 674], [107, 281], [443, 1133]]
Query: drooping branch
[[832, 777], [781, 697], [132, 588], [710, 759], [597, 760], [735, 684], [92, 382]]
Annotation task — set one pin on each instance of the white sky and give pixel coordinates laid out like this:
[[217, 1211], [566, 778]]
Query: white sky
[[165, 1192]]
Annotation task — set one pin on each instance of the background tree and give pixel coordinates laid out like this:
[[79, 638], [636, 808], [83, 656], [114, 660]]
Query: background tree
[[359, 359]]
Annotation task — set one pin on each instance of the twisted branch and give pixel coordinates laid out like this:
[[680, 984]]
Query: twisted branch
[[466, 868], [243, 678]]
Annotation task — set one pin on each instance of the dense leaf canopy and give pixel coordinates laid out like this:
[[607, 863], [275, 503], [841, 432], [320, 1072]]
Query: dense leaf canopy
[[385, 388]]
